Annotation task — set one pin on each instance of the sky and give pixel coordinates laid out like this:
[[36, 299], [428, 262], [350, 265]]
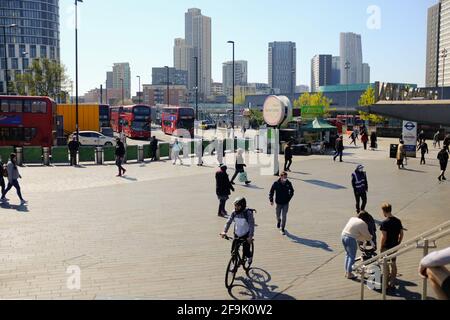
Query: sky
[[142, 32]]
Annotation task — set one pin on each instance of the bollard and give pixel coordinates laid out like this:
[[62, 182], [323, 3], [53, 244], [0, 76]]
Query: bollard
[[140, 153], [19, 154], [46, 156], [158, 154], [99, 155]]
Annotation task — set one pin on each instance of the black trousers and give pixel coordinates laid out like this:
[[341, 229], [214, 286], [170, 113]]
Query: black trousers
[[245, 245], [339, 153], [2, 184], [359, 197], [154, 155], [287, 164], [222, 203], [73, 158], [236, 172], [422, 160]]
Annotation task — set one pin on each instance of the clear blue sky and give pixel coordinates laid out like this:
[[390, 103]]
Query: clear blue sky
[[142, 32]]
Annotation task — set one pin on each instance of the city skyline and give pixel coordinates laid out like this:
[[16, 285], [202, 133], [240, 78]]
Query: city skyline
[[390, 61]]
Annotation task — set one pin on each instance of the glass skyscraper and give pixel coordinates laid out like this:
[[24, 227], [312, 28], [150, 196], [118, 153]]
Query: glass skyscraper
[[282, 67], [36, 35]]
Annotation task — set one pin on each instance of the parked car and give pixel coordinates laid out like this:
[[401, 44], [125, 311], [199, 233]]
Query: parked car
[[207, 124], [107, 131], [93, 138]]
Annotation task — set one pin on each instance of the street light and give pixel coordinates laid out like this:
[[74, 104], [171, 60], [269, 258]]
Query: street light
[[76, 69], [6, 54], [139, 91], [232, 42], [443, 56], [196, 88], [167, 83], [347, 67]]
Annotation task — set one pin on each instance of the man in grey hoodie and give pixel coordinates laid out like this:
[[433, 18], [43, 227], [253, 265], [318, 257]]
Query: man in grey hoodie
[[13, 179]]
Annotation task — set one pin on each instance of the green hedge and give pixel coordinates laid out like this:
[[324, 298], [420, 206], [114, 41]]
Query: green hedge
[[87, 154], [32, 155], [132, 153], [164, 150], [60, 155], [5, 152], [109, 153]]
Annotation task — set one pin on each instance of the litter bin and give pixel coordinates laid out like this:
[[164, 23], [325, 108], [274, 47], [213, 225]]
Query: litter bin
[[46, 156], [393, 151], [140, 153], [99, 155], [19, 155]]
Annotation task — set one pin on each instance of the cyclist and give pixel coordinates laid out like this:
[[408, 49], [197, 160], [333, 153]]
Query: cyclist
[[244, 227]]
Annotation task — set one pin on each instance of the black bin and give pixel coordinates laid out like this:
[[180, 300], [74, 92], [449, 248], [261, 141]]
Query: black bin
[[393, 151]]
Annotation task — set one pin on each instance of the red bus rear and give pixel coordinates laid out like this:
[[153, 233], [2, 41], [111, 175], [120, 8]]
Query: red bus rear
[[27, 121], [136, 121], [175, 118], [115, 118]]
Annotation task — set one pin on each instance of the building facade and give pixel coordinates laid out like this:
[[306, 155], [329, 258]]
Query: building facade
[[444, 43], [122, 71], [431, 73], [365, 73], [109, 80], [351, 51], [198, 36], [321, 74], [283, 66], [183, 56], [217, 89], [240, 75], [336, 70], [157, 95], [176, 77], [35, 35]]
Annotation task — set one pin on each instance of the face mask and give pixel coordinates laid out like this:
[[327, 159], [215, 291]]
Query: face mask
[[283, 180]]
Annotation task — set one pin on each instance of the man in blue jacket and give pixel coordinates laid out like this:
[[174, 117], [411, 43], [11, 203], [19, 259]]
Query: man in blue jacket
[[284, 192], [360, 188]]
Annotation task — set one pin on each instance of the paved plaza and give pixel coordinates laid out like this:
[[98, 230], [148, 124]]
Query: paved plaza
[[154, 233]]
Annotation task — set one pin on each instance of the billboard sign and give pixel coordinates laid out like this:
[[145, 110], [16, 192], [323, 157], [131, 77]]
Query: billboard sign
[[410, 138]]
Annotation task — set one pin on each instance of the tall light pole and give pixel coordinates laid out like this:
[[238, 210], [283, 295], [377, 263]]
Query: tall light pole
[[443, 56], [139, 90], [232, 124], [167, 82], [347, 67], [196, 88], [6, 55], [76, 69]]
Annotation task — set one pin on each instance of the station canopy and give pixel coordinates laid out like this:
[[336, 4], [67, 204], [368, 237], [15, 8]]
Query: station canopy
[[318, 125]]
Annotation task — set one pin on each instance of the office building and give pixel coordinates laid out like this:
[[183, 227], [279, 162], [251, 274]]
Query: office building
[[336, 70], [351, 51], [240, 75], [176, 77], [365, 73], [320, 71], [121, 71], [183, 56]]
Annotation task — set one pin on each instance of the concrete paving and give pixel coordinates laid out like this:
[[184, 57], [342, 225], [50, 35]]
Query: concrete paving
[[154, 233]]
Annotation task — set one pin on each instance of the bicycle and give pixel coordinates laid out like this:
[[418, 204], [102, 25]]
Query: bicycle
[[237, 259]]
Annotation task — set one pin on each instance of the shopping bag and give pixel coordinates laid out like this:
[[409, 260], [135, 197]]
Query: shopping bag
[[243, 177]]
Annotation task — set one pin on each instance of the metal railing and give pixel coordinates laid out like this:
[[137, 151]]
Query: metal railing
[[425, 241]]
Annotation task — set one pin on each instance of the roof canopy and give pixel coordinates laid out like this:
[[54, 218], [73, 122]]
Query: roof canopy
[[318, 125]]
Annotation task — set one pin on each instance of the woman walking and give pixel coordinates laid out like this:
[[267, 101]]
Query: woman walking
[[120, 155], [176, 149], [13, 178], [443, 161], [401, 155], [373, 141], [240, 165]]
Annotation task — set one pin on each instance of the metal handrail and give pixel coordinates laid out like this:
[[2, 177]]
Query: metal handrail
[[425, 238], [402, 247]]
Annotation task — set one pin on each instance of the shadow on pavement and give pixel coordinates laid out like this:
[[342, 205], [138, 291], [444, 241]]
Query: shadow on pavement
[[401, 291], [19, 208], [251, 186], [298, 172], [257, 287], [413, 170], [325, 184], [129, 178], [309, 242]]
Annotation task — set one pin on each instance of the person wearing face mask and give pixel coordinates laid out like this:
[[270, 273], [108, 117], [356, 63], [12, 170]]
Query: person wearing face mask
[[360, 188], [13, 178], [284, 192]]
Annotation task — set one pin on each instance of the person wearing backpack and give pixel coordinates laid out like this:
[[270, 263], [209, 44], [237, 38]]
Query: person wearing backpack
[[13, 179], [443, 161], [244, 227]]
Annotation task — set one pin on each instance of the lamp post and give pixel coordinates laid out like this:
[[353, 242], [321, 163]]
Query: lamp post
[[443, 56], [232, 123], [347, 67], [139, 90], [76, 70], [167, 83], [6, 55], [196, 88]]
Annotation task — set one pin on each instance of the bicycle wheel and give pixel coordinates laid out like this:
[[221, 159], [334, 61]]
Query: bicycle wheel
[[246, 264], [230, 274]]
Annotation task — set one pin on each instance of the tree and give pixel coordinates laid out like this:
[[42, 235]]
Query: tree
[[239, 99], [368, 99], [316, 99], [44, 78], [256, 117]]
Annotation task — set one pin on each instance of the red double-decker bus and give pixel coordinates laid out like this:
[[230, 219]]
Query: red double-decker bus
[[176, 118], [27, 121], [134, 121]]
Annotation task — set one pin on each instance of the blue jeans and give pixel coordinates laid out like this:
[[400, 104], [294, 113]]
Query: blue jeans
[[350, 246], [15, 184]]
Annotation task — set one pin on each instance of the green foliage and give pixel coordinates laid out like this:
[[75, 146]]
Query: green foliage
[[368, 99], [44, 78], [316, 99], [256, 117]]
